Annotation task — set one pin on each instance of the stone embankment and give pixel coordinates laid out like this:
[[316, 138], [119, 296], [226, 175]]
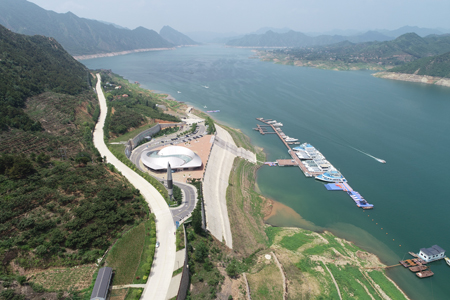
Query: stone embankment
[[90, 56], [414, 78]]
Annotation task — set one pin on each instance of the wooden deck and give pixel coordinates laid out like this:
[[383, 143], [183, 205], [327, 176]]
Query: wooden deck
[[286, 162]]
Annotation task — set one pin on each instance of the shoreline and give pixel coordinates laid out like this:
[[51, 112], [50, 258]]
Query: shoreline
[[274, 207], [432, 80], [110, 54]]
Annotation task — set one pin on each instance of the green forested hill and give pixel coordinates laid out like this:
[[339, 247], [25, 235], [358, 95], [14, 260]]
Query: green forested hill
[[29, 66], [438, 66], [77, 35], [60, 204]]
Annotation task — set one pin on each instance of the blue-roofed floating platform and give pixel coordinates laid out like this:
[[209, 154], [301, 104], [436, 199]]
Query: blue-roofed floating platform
[[343, 186]]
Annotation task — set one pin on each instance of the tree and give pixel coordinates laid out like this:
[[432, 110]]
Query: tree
[[197, 218]]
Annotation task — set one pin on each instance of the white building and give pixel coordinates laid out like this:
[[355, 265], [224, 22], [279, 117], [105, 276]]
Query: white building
[[432, 254], [179, 158]]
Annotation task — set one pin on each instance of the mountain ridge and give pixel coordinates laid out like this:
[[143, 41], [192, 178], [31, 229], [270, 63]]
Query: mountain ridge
[[175, 37], [78, 36]]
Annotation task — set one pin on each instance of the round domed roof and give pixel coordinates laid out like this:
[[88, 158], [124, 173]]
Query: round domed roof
[[178, 158]]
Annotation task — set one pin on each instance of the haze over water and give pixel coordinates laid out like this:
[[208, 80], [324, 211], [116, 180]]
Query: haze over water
[[405, 124]]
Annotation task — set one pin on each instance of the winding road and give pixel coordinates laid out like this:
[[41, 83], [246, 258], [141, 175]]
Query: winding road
[[158, 282]]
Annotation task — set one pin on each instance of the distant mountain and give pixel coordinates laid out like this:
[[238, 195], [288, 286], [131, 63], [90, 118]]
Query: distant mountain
[[176, 37], [369, 36], [77, 35], [406, 48], [277, 30], [406, 29], [438, 66], [298, 39]]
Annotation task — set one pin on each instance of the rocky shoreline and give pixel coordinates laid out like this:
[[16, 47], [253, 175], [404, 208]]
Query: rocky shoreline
[[90, 56], [414, 78]]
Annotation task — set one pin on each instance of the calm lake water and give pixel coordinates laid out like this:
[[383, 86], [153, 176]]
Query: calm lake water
[[406, 124]]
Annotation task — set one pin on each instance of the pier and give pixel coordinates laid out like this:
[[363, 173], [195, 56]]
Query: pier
[[296, 161], [262, 129], [315, 163]]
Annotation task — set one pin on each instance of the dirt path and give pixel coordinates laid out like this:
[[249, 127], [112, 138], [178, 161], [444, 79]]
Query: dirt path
[[335, 283]]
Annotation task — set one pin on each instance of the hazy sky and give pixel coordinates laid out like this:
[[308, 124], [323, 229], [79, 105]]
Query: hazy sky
[[243, 16]]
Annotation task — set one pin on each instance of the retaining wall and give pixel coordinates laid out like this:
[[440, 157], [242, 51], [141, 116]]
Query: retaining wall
[[184, 284]]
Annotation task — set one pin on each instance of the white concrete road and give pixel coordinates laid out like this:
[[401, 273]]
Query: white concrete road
[[161, 273], [215, 185]]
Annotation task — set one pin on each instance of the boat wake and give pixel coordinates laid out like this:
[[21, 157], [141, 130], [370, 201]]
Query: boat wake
[[376, 158]]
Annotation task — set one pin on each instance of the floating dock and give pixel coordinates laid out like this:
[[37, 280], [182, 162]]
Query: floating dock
[[343, 186], [310, 168]]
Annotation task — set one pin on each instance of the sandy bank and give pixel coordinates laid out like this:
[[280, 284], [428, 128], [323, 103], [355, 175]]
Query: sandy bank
[[90, 56], [414, 78]]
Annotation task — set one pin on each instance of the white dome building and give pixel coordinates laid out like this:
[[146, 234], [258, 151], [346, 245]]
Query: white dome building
[[178, 158]]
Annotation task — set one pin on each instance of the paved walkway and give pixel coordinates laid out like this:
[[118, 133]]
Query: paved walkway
[[161, 272], [174, 286]]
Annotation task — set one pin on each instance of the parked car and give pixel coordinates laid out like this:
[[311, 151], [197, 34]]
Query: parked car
[[157, 244]]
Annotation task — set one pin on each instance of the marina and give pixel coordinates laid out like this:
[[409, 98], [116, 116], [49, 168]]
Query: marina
[[311, 162]]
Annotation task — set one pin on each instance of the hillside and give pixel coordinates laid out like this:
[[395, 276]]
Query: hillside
[[61, 206], [373, 55], [176, 37], [30, 66], [77, 35], [437, 66]]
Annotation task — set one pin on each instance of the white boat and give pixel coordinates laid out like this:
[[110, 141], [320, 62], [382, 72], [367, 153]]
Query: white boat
[[289, 139], [178, 92], [447, 260], [331, 175], [206, 87], [278, 124]]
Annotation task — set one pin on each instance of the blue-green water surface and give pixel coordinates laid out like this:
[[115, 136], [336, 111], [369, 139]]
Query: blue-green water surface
[[406, 124]]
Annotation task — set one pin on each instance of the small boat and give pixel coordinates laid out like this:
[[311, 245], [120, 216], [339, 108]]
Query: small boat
[[425, 274], [178, 92], [206, 87], [447, 260], [418, 268], [381, 160]]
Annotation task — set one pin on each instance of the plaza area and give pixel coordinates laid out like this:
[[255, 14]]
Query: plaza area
[[201, 146]]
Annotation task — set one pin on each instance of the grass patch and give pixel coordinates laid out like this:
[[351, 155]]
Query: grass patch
[[350, 288], [125, 255], [240, 139], [148, 253], [180, 238], [134, 294], [245, 208], [295, 241], [177, 271], [386, 285], [271, 233], [267, 283], [77, 278]]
